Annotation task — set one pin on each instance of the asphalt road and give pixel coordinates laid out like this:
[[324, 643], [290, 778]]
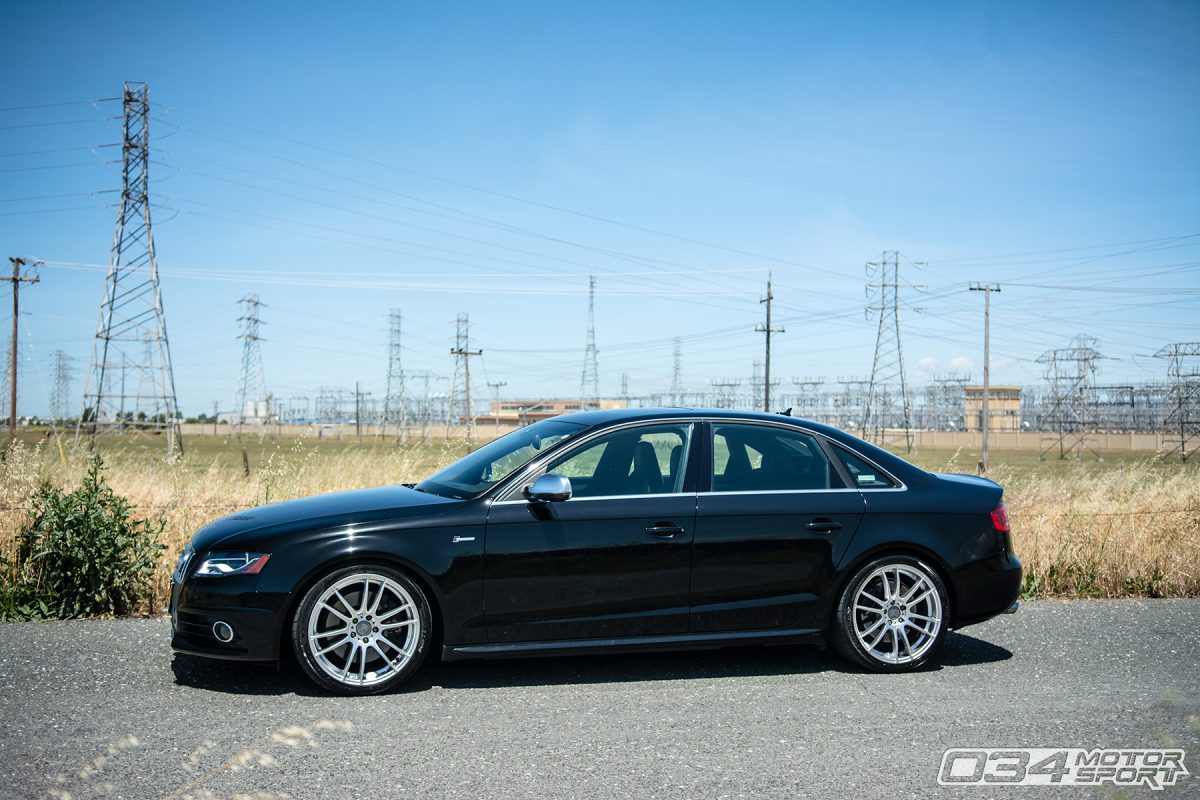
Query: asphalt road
[[744, 723]]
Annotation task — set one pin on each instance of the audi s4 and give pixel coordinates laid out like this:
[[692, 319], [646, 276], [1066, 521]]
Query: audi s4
[[607, 531]]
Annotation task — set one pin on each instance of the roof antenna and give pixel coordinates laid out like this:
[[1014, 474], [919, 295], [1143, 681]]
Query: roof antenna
[[787, 413]]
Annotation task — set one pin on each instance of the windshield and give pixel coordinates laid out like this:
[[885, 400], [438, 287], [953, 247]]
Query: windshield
[[479, 471]]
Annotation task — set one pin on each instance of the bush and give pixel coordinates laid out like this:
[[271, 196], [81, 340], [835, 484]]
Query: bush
[[83, 553]]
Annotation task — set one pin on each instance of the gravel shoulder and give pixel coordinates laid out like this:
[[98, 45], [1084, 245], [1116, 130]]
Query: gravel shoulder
[[777, 722]]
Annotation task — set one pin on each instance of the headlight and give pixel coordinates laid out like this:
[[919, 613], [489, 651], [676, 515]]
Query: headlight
[[222, 564]]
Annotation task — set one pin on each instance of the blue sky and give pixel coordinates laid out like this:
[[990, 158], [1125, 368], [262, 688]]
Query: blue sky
[[344, 159]]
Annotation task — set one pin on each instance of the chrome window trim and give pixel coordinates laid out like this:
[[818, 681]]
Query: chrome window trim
[[778, 491], [604, 497], [502, 494]]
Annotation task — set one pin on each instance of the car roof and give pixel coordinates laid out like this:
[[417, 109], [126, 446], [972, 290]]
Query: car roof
[[610, 415]]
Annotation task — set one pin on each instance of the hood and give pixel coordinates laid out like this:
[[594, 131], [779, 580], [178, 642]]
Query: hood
[[324, 510]]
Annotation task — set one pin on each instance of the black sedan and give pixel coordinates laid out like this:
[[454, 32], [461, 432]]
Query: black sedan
[[607, 531]]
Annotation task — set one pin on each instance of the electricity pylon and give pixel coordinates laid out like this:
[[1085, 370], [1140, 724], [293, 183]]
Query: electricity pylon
[[1071, 417], [589, 382], [1183, 398], [252, 400], [887, 370], [130, 384], [394, 401]]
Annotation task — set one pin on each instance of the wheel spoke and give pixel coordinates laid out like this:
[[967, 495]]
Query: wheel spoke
[[919, 629], [911, 615], [335, 612], [362, 663], [386, 659], [349, 660], [869, 610], [875, 642], [333, 646], [913, 590], [887, 590], [402, 624], [865, 595], [327, 634], [907, 643], [366, 594], [871, 629], [921, 599], [393, 612], [895, 646], [344, 603]]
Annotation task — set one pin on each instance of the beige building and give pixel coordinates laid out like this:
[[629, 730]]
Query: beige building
[[1004, 408], [523, 412]]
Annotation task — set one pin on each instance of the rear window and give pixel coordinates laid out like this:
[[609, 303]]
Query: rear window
[[863, 474]]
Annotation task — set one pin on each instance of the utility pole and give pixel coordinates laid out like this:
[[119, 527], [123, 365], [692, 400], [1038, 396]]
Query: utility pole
[[767, 330], [462, 349], [357, 412], [496, 387], [17, 279], [215, 406], [984, 416]]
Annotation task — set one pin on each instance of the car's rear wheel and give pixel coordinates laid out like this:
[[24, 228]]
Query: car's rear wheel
[[891, 617], [362, 630]]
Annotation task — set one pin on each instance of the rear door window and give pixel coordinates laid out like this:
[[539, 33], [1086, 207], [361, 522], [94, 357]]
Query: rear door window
[[748, 458]]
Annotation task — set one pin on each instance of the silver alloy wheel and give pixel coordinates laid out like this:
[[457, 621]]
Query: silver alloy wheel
[[897, 613], [363, 629]]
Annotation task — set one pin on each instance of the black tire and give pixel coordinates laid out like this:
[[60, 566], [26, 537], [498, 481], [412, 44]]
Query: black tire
[[851, 623], [370, 622]]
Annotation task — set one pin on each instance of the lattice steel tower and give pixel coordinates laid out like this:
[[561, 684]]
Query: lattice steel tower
[[1183, 398], [252, 398], [1070, 417], [130, 384], [589, 382], [394, 402], [677, 372], [887, 371]]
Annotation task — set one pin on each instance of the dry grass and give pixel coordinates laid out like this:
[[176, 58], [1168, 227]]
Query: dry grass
[[1126, 527]]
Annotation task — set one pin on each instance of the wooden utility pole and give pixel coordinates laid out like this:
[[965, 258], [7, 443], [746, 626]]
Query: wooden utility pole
[[17, 279], [768, 330], [985, 415], [496, 387]]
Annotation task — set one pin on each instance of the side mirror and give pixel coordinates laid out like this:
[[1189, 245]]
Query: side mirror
[[550, 488]]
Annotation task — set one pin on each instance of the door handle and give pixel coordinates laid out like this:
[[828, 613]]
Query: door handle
[[823, 525], [665, 530]]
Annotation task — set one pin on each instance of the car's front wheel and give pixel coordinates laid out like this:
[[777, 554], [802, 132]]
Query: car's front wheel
[[362, 630], [891, 617]]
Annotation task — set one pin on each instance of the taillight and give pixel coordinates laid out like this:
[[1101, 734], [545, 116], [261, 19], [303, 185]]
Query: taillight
[[1000, 519]]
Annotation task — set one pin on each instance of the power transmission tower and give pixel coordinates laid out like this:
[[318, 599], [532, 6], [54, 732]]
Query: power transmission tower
[[725, 391], [394, 402], [60, 397], [677, 373], [463, 408], [252, 399], [18, 277], [589, 382], [887, 370], [1183, 398], [130, 382], [810, 398], [985, 417], [1071, 415], [767, 330]]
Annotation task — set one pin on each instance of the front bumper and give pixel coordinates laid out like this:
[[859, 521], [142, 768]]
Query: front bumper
[[197, 604]]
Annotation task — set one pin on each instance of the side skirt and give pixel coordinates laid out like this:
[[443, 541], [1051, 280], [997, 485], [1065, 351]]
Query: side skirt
[[632, 644]]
